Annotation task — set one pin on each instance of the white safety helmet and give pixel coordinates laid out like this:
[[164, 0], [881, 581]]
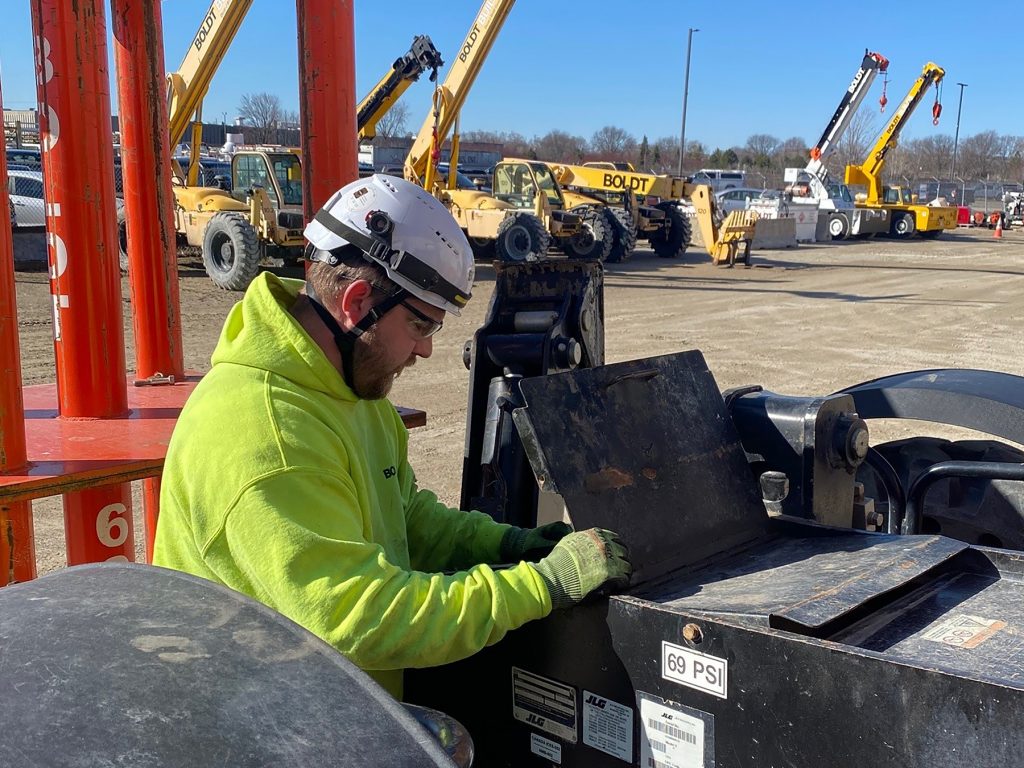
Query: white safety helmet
[[402, 229]]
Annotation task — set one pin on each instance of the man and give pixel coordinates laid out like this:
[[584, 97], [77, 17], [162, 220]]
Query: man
[[287, 477]]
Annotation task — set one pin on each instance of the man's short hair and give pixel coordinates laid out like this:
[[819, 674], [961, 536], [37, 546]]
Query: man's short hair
[[328, 282]]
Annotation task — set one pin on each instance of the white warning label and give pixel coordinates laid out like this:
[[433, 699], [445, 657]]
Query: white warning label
[[668, 738], [963, 631], [546, 748], [608, 726], [544, 704]]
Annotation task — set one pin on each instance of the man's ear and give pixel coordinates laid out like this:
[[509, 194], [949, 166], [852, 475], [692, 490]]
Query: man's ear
[[355, 302]]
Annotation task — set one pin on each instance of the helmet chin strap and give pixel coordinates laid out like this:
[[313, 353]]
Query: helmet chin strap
[[344, 340]]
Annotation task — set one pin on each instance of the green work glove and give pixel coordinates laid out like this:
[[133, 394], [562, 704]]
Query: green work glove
[[583, 562], [531, 544]]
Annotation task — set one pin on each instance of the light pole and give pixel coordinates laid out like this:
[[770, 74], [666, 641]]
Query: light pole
[[956, 138], [686, 93]]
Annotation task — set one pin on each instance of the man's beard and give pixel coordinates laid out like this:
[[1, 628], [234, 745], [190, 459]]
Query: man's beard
[[374, 375]]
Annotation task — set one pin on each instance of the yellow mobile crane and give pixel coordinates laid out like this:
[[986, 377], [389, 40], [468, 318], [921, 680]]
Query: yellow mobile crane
[[907, 215], [262, 214], [514, 232]]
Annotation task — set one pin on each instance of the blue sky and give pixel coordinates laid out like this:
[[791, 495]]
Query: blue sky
[[775, 68]]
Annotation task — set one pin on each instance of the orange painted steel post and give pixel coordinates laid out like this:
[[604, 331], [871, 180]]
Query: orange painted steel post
[[72, 82], [327, 98], [149, 204], [17, 547]]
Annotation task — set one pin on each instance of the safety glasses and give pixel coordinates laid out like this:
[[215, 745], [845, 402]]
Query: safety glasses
[[424, 327]]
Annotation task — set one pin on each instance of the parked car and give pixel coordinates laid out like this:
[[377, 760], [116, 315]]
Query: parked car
[[462, 181], [738, 199], [28, 207], [24, 159], [26, 191]]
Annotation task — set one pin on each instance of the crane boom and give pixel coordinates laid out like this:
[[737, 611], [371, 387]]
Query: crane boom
[[451, 95], [870, 66], [188, 85], [869, 173]]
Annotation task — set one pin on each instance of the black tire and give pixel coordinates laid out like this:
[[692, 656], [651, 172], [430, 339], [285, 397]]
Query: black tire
[[483, 248], [521, 237], [903, 225], [231, 251], [597, 236], [625, 236], [975, 510], [839, 226], [671, 241], [122, 241]]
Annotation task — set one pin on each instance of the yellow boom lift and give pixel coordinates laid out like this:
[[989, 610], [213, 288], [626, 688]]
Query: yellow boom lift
[[493, 224], [262, 215], [907, 215]]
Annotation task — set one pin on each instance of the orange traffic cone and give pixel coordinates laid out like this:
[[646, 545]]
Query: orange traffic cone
[[999, 229]]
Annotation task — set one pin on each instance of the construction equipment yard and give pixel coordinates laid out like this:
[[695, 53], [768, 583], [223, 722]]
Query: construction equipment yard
[[806, 320]]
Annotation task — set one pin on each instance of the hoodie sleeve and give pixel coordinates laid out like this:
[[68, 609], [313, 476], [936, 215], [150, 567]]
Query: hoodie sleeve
[[446, 539], [315, 566]]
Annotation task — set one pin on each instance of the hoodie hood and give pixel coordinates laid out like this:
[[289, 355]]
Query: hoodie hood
[[261, 333]]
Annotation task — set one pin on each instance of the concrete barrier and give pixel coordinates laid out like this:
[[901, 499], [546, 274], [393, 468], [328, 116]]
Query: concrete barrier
[[30, 248], [774, 233]]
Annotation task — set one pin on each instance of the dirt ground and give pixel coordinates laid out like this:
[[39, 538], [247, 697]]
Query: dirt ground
[[808, 320]]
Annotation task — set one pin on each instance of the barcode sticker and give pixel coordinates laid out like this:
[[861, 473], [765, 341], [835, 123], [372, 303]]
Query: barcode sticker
[[670, 739]]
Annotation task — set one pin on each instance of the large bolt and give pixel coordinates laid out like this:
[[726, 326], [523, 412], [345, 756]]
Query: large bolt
[[692, 634], [851, 441]]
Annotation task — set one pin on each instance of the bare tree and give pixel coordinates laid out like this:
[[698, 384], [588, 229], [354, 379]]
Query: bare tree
[[980, 155], [559, 146], [612, 143], [262, 113], [852, 148], [393, 122], [791, 153], [759, 149]]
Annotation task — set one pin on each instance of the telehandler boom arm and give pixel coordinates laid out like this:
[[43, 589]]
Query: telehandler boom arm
[[869, 173], [451, 95], [404, 72], [188, 85]]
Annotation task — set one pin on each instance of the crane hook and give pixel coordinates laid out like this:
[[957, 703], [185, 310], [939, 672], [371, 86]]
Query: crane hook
[[885, 85], [936, 107]]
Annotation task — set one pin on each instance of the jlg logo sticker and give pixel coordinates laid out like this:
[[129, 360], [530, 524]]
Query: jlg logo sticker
[[694, 670]]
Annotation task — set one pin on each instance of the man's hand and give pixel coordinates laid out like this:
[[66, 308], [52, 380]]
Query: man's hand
[[531, 544], [583, 562]]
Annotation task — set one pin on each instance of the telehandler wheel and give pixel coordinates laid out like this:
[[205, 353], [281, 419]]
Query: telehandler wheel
[[671, 242], [122, 241], [597, 236], [839, 227], [521, 237], [955, 506], [903, 225], [231, 251], [483, 248], [625, 236]]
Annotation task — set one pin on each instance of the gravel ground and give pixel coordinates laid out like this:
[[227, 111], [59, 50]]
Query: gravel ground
[[808, 320]]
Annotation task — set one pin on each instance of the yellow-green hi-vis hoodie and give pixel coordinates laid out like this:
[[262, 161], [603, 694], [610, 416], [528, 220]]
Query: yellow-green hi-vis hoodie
[[280, 483]]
